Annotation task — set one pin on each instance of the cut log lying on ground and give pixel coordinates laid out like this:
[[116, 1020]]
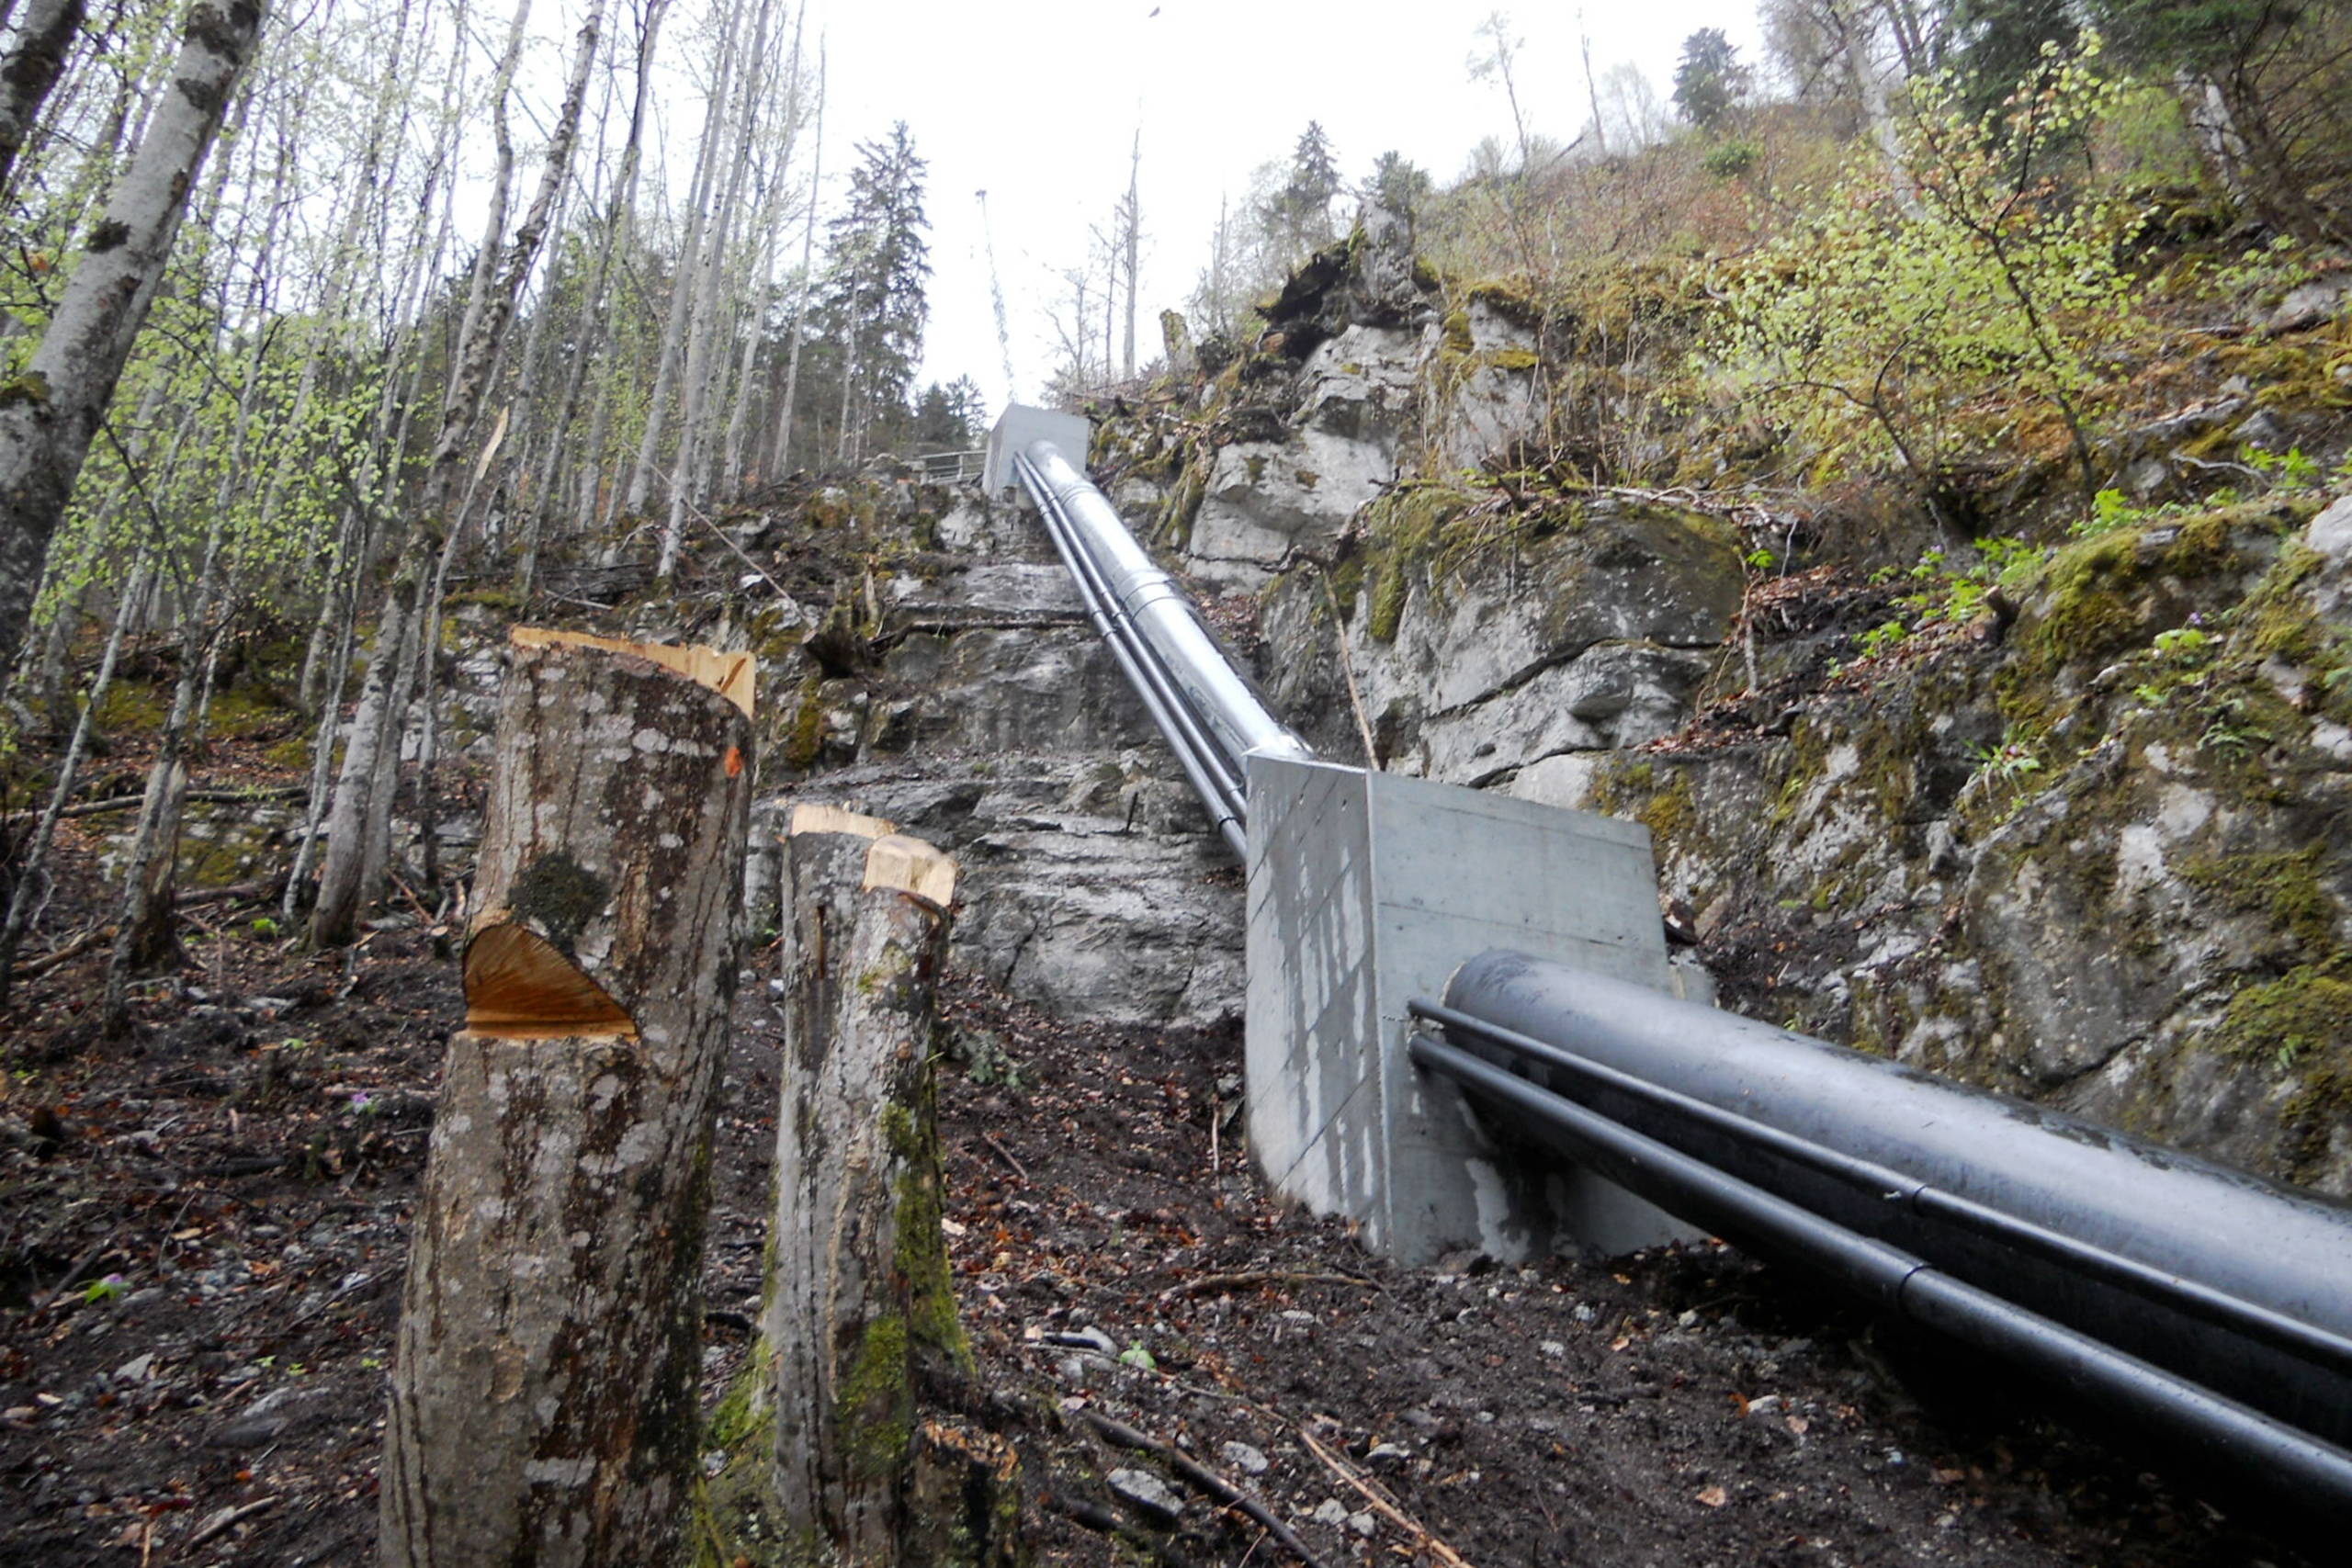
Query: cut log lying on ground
[[860, 1326], [543, 1406]]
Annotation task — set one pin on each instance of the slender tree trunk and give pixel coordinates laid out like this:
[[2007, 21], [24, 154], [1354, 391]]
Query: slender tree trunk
[[49, 414], [682, 286], [322, 777], [388, 444], [848, 432], [543, 1404], [738, 417], [1132, 259], [782, 460], [43, 41], [383, 785], [1869, 86], [23, 900], [335, 916], [703, 318], [1591, 88], [502, 188], [763, 278], [592, 309], [343, 264], [146, 937]]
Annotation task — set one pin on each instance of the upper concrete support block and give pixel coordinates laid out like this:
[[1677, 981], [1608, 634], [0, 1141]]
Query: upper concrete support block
[[1020, 426], [1367, 890]]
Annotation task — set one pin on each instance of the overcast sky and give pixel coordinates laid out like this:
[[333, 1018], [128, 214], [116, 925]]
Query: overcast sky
[[1037, 102]]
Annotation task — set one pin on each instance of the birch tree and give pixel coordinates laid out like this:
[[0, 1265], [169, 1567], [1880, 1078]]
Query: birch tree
[[50, 413], [35, 60], [358, 823]]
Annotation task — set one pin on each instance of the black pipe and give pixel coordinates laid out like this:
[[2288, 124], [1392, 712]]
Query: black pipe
[[1894, 1186], [2226, 1281], [2310, 1474]]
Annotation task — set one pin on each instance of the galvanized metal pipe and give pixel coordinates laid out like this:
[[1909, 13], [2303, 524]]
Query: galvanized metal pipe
[[1161, 614], [1194, 753], [1117, 628], [2209, 1276], [1887, 1185]]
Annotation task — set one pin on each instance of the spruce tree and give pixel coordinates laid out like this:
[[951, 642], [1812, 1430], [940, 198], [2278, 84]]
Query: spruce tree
[[1710, 81], [1302, 208], [871, 304]]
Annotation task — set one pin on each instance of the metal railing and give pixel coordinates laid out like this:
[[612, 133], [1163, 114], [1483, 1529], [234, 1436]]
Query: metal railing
[[951, 468]]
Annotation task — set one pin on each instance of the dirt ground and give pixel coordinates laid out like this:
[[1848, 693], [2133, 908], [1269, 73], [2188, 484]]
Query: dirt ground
[[203, 1228]]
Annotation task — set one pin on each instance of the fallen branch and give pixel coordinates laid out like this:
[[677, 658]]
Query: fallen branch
[[229, 1519], [1207, 1479], [1208, 1283], [70, 951], [1382, 1506], [211, 797], [248, 1165], [1005, 1155], [261, 888]]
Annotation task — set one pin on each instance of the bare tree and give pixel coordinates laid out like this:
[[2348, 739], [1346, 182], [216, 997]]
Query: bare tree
[[738, 135], [617, 215], [50, 414], [1498, 61], [674, 330], [1131, 247], [1591, 88], [358, 826], [782, 449]]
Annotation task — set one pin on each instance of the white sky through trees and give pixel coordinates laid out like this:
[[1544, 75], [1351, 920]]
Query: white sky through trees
[[1037, 101]]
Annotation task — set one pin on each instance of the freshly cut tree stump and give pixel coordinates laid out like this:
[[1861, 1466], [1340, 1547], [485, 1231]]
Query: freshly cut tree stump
[[861, 1321], [544, 1403]]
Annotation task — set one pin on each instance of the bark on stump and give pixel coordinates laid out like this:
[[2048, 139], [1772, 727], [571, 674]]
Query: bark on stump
[[544, 1403], [871, 1467]]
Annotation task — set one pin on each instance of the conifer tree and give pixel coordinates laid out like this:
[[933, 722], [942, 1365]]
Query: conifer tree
[[871, 302], [1301, 211], [1710, 80]]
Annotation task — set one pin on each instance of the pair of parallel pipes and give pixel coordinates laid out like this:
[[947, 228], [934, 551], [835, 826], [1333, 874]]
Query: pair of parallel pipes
[[1208, 715], [2211, 1305]]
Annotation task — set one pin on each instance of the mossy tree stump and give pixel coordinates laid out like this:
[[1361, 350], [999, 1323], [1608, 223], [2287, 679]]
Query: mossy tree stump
[[870, 1466], [543, 1406]]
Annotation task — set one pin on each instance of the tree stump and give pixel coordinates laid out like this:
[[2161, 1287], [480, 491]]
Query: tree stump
[[861, 1320], [544, 1403]]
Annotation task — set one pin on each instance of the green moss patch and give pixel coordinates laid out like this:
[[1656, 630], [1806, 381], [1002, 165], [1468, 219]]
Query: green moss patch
[[2282, 886]]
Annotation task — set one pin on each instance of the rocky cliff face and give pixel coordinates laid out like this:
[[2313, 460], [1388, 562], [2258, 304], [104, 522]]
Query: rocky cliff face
[[2066, 819], [943, 675]]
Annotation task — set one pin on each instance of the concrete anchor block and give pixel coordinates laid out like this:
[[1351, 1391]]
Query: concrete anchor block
[[1367, 890]]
